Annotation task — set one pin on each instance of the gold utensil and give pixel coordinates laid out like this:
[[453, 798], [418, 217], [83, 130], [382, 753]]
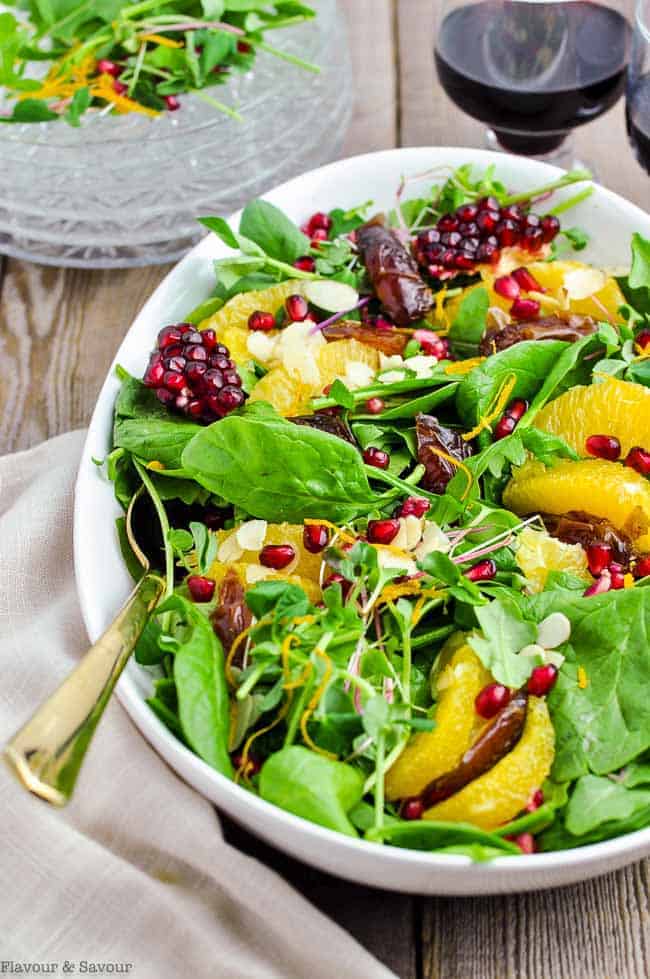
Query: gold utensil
[[47, 753]]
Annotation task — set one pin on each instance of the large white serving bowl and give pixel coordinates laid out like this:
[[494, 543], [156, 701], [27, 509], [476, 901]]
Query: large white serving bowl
[[103, 582]]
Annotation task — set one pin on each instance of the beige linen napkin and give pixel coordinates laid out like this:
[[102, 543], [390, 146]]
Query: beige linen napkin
[[135, 870]]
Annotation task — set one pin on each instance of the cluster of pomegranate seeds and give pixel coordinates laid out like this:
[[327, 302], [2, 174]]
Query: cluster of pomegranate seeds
[[277, 556], [412, 809], [542, 680], [315, 537], [192, 372], [432, 345], [373, 456], [201, 589], [637, 458], [603, 447], [382, 531], [483, 571], [511, 286], [414, 506], [491, 699], [510, 418], [476, 233], [317, 228]]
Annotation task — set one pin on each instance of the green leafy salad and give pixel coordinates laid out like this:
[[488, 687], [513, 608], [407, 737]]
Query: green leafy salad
[[395, 473]]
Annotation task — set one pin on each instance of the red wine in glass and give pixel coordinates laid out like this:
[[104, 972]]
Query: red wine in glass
[[533, 71], [637, 116]]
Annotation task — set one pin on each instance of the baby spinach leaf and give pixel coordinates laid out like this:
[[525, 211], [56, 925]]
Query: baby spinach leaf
[[603, 726], [272, 230], [200, 684], [424, 403], [639, 277], [470, 323], [313, 787], [428, 835], [505, 632], [596, 800], [279, 471], [145, 428]]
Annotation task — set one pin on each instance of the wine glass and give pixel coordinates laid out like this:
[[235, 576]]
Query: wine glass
[[637, 106], [533, 71]]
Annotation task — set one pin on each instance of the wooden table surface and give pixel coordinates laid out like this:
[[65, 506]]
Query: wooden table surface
[[59, 330]]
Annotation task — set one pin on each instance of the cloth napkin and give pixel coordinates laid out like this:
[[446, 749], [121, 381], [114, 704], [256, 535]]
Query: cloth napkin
[[135, 870]]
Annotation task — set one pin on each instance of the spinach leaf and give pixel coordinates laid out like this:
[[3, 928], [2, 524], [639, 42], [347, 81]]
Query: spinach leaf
[[312, 786], [424, 403], [203, 706], [604, 725], [505, 632], [428, 835], [639, 277], [470, 323], [272, 230], [145, 428], [597, 799], [279, 471]]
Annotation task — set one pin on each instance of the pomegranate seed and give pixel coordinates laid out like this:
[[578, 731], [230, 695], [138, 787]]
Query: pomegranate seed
[[167, 336], [337, 579], [414, 506], [174, 381], [512, 212], [517, 408], [297, 308], [535, 801], [507, 286], [507, 233], [550, 227], [487, 221], [488, 204], [277, 556], [305, 263], [483, 571], [532, 221], [617, 579], [491, 699], [488, 252], [505, 426], [467, 212], [532, 239], [261, 321], [429, 237], [209, 339], [412, 809], [432, 345], [451, 238], [599, 557], [315, 537], [201, 589], [154, 375], [524, 309], [172, 103], [464, 260], [106, 67], [319, 221], [119, 87], [383, 324], [604, 447], [642, 566], [373, 456], [229, 398], [382, 531], [525, 842], [642, 339], [600, 586], [319, 234], [375, 406], [249, 765], [542, 680], [448, 222], [526, 280], [637, 458], [243, 47]]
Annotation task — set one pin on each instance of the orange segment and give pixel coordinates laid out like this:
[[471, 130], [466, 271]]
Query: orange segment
[[218, 572], [605, 489], [287, 394], [333, 359], [432, 753], [538, 553], [613, 407], [498, 796]]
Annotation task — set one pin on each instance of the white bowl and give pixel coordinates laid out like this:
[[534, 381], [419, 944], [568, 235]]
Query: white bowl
[[104, 583]]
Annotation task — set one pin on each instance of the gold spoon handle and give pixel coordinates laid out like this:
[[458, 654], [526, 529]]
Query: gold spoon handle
[[48, 751]]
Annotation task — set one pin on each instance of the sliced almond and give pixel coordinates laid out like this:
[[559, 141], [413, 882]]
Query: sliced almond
[[332, 296], [250, 536], [229, 550], [554, 630], [433, 539], [582, 283]]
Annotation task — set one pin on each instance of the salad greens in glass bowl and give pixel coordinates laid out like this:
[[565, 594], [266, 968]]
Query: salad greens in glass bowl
[[395, 470]]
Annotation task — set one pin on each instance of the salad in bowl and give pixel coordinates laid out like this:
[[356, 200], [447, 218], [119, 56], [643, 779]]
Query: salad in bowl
[[395, 472]]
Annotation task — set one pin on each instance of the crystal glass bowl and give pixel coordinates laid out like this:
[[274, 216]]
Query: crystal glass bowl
[[126, 190]]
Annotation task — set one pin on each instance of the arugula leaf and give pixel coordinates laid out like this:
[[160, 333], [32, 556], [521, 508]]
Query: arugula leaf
[[505, 632], [279, 471], [80, 102], [470, 322], [272, 230], [607, 724], [312, 787]]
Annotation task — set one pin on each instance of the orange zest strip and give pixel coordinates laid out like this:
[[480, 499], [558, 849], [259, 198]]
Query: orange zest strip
[[289, 641], [313, 704], [164, 42], [231, 655], [282, 713], [463, 366], [583, 681], [102, 88], [457, 463], [495, 408], [417, 609], [345, 536]]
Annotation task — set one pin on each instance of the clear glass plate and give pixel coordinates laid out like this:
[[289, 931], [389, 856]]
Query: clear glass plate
[[125, 190]]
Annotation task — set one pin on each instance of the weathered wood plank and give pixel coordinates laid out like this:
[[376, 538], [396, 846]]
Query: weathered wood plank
[[371, 30]]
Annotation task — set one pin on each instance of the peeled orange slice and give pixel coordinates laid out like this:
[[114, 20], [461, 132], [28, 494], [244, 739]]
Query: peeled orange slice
[[605, 489], [498, 796], [538, 553], [432, 753], [618, 408], [306, 565]]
